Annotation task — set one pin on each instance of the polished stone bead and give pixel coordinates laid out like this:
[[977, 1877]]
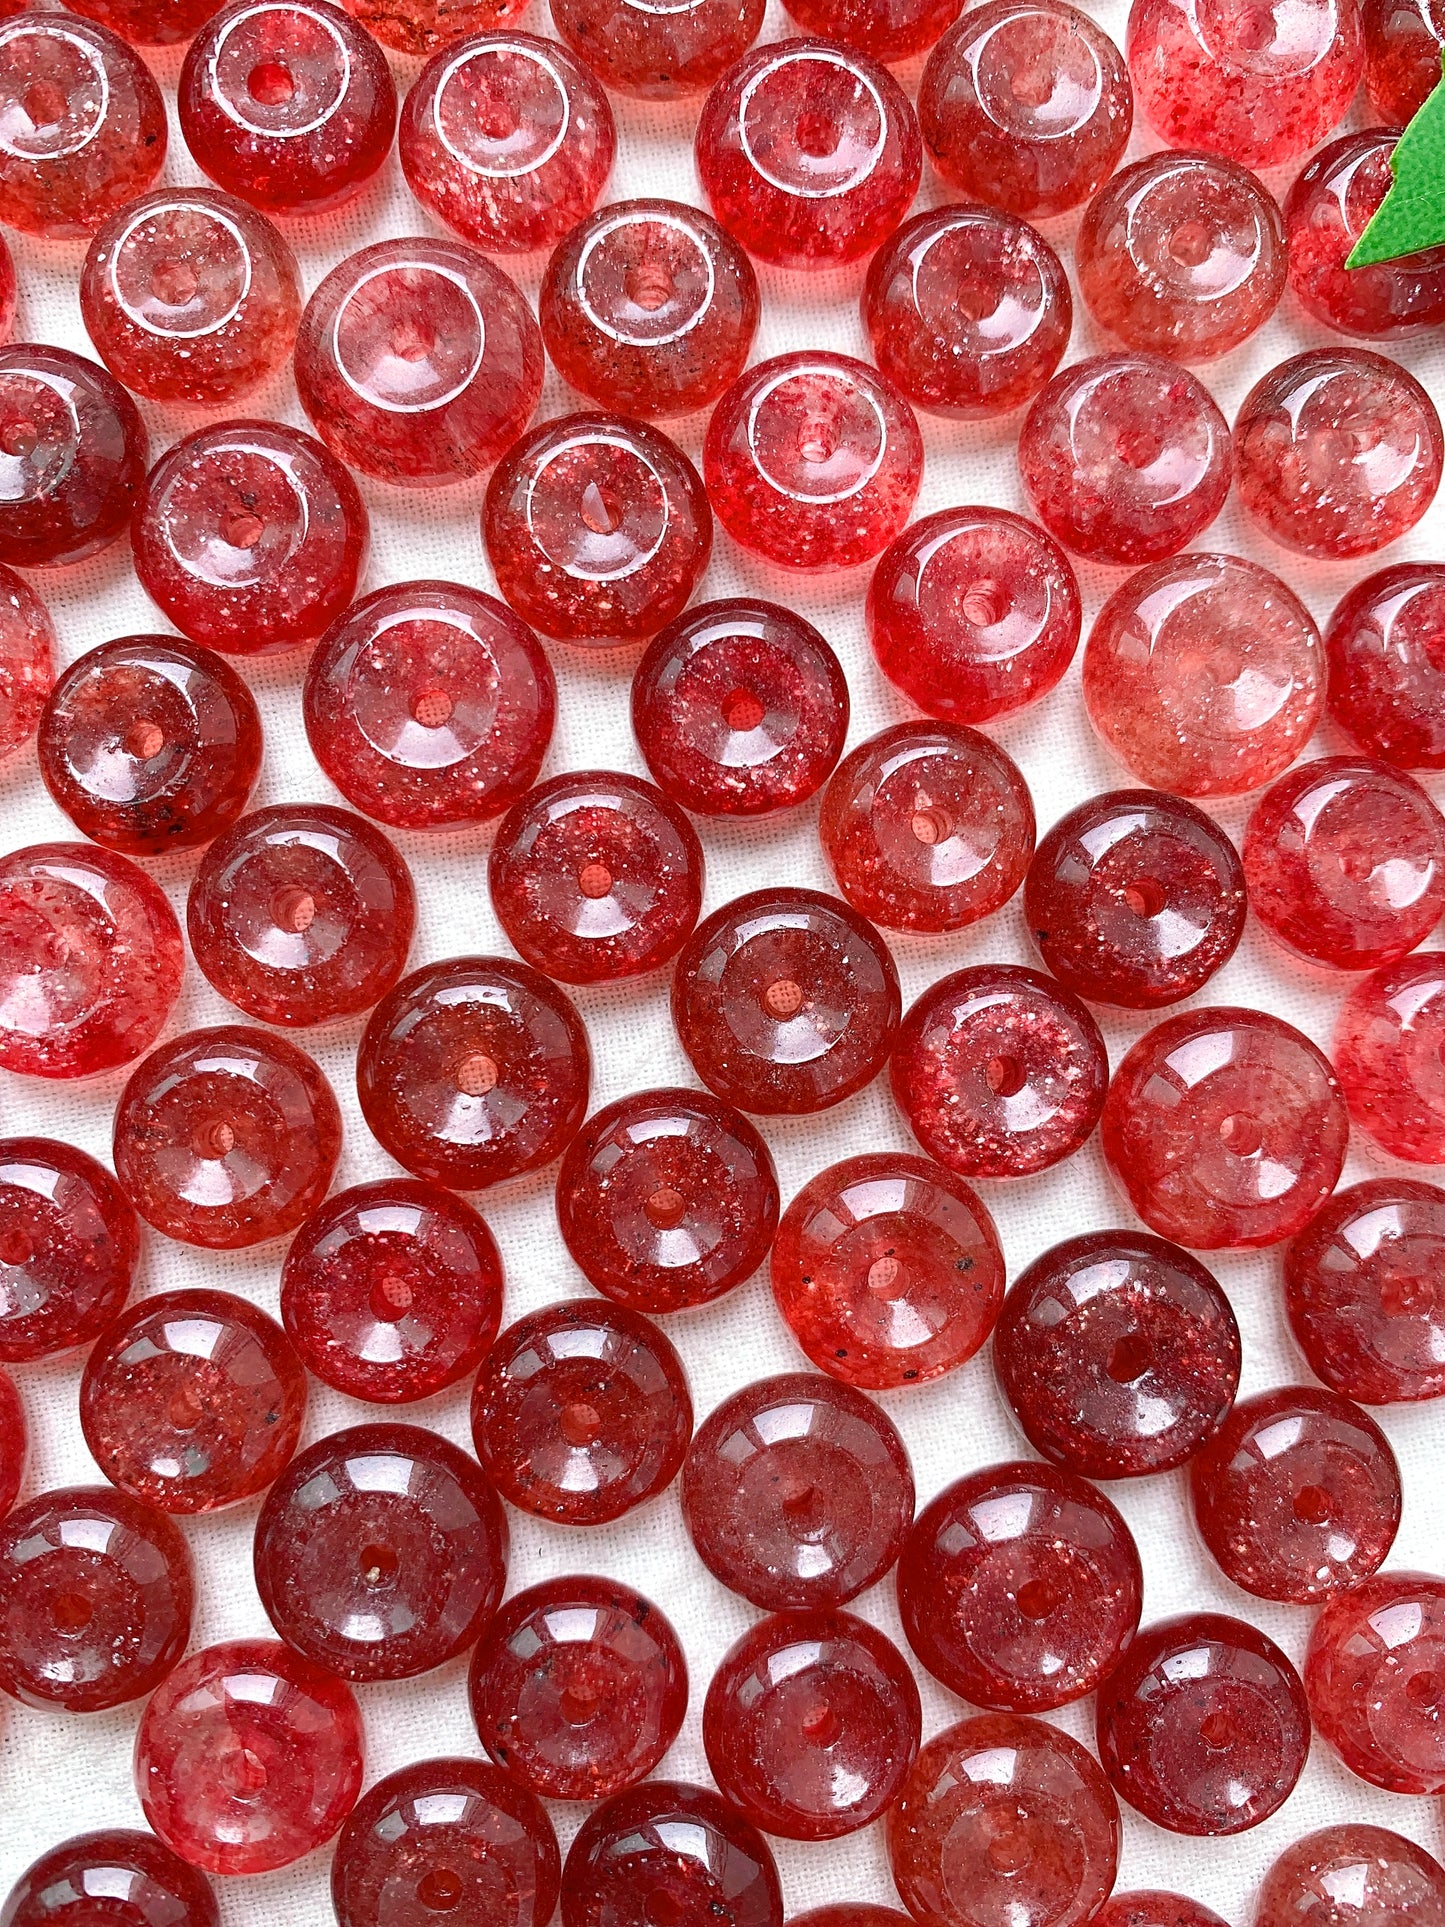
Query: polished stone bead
[[75, 454], [27, 661], [1151, 1908], [653, 54], [1386, 649], [1329, 208], [1351, 1875], [1373, 1673], [147, 23], [421, 26], [14, 1442], [851, 1913], [1403, 46], [892, 30], [1388, 1039], [69, 1242], [667, 1851], [144, 1884]]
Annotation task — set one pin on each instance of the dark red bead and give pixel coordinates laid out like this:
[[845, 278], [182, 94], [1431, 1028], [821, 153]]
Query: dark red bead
[[894, 30], [1386, 649], [1151, 1908], [1329, 208], [1352, 1876], [1403, 46], [1388, 1039], [851, 1913], [144, 1884], [1373, 1672], [69, 1242], [27, 661], [14, 1443], [666, 1851], [75, 449], [638, 50]]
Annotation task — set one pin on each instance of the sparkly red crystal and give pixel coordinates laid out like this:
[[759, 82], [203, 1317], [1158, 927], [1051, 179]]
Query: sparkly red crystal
[[144, 1884], [1151, 1908], [658, 55], [667, 1851], [1329, 208], [1373, 1671], [75, 449], [1403, 47], [148, 23], [1388, 1040], [892, 30], [1386, 650], [14, 1442], [69, 1243], [1352, 1876], [27, 660]]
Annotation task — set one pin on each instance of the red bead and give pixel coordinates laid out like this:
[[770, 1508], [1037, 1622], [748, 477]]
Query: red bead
[[190, 296], [95, 1599], [144, 1884], [1004, 1819], [888, 1271], [1125, 458], [1403, 46], [1020, 1587], [149, 23], [75, 450], [895, 30], [250, 536], [248, 1757], [507, 139], [1388, 1039], [851, 1913], [27, 660], [288, 104], [1373, 1675], [1386, 650], [927, 827], [14, 1443], [1118, 1353], [786, 1001], [578, 1687], [797, 1492], [1328, 209], [150, 744], [973, 613], [1155, 1909], [1352, 1876], [448, 1837], [422, 26], [656, 54], [999, 1071], [1225, 1128], [1204, 1726], [665, 1199], [90, 960], [392, 1291], [69, 1243], [580, 1412], [192, 1400], [474, 1070], [667, 1851]]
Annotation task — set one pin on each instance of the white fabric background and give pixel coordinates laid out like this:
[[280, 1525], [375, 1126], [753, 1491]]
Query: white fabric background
[[62, 1773]]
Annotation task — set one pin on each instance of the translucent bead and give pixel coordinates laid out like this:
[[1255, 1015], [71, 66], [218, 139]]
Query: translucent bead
[[1388, 1041], [1372, 1671], [658, 53], [75, 454], [1403, 46], [668, 1851], [421, 26], [1328, 209], [894, 30], [1386, 649], [69, 1244], [1352, 1876], [27, 661], [160, 1889]]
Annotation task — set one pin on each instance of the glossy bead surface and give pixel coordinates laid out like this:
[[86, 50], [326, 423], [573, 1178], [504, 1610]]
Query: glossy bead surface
[[669, 1851], [1387, 1052], [1329, 208], [581, 1412], [1351, 1875], [1151, 1908], [149, 23], [1386, 649], [145, 1884], [1019, 1587], [69, 1242], [895, 30], [27, 661], [1403, 47], [658, 54], [1373, 1676], [75, 456], [667, 1199], [1204, 1726], [14, 1442], [578, 1687], [850, 1913]]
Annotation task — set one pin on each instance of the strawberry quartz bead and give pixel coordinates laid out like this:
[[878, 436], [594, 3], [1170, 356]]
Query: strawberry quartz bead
[[508, 140], [896, 30], [580, 1412], [14, 1443], [888, 1271], [1373, 1676], [1338, 452], [1328, 209], [1155, 1909], [797, 1492], [429, 704], [287, 103], [226, 1137], [1182, 255], [665, 1199], [927, 827], [381, 1552], [27, 661], [392, 1291], [851, 1913], [973, 613], [1403, 45], [421, 26], [578, 1687], [1135, 898], [740, 708], [90, 960], [658, 53], [69, 1243], [786, 1001], [144, 1884], [649, 307], [1125, 458], [1019, 1587], [1352, 1876], [666, 1851], [596, 876], [1386, 649], [1387, 1052], [1204, 1726], [149, 23], [999, 1071], [473, 1071], [95, 1599], [74, 452], [813, 461]]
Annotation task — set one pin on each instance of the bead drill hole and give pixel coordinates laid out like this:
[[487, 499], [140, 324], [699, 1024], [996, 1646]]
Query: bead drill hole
[[600, 510], [817, 132], [594, 880], [45, 103], [649, 285], [1037, 1599], [476, 1074], [1032, 86], [270, 83], [665, 1208], [412, 339], [17, 1247], [242, 1771], [1240, 1134], [1312, 1505], [1139, 446], [580, 1423], [663, 1910], [173, 283], [930, 826], [1256, 30], [293, 910], [803, 1511], [243, 530], [1425, 1691], [1218, 1730], [1190, 244], [379, 1565], [984, 604], [1145, 897], [390, 1298], [185, 1407], [817, 441], [1009, 1851], [71, 1612], [212, 1140], [820, 1724], [144, 739], [783, 998], [496, 115], [578, 1702], [883, 1275], [742, 711], [440, 1890], [1130, 1359], [431, 708], [1005, 1076], [19, 438]]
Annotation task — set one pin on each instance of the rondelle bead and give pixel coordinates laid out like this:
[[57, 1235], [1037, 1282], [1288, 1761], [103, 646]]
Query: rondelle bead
[[797, 1491], [1025, 105], [190, 296], [999, 1071], [418, 362], [637, 49], [813, 461], [1382, 643], [968, 310], [1204, 675], [597, 528], [69, 1242], [894, 30], [888, 1271], [1225, 1128], [507, 139], [144, 1884], [250, 536], [392, 1291], [192, 1400], [1350, 1875], [429, 704], [665, 1199], [27, 660], [808, 153], [1373, 1676], [1125, 458], [786, 1001], [148, 23], [1151, 1908], [90, 960], [288, 104], [1019, 1587], [927, 827], [1403, 45], [649, 308], [1329, 208], [1388, 1040], [14, 1443], [578, 1687], [1337, 452], [1003, 1818], [1135, 898], [973, 613], [75, 452], [453, 1838], [580, 1412], [95, 1599], [301, 913], [474, 1070], [667, 1851], [1118, 1353], [150, 744], [1203, 1726], [248, 1757]]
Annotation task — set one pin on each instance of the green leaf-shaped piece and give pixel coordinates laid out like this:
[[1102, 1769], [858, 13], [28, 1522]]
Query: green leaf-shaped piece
[[1412, 215]]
